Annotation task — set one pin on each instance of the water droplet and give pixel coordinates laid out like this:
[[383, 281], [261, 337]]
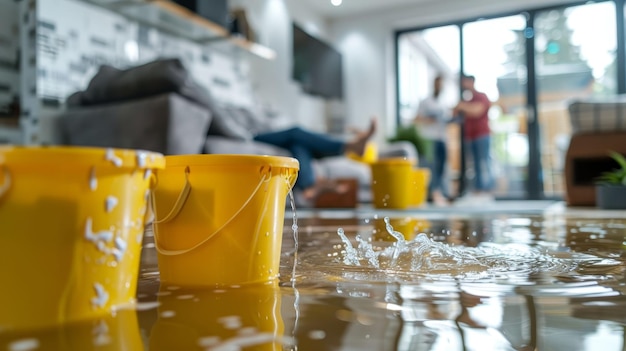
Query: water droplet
[[110, 203], [93, 181], [24, 345], [168, 314], [317, 335]]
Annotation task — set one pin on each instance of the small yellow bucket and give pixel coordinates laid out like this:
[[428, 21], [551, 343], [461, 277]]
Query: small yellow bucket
[[220, 218], [391, 180], [419, 192], [370, 155], [190, 319], [71, 226]]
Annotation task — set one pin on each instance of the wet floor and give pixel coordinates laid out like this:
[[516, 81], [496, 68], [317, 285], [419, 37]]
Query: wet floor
[[502, 281]]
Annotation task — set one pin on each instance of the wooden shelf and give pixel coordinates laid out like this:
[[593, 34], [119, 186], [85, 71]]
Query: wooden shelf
[[254, 48], [172, 18]]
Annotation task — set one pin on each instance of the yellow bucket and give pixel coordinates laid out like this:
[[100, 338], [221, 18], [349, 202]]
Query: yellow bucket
[[71, 226], [391, 179], [419, 192], [370, 155], [220, 218], [243, 318]]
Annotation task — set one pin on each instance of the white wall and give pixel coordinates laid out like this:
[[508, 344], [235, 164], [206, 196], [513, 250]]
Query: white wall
[[271, 80], [71, 49], [367, 42]]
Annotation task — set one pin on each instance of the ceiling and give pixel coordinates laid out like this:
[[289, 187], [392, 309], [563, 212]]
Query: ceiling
[[355, 7]]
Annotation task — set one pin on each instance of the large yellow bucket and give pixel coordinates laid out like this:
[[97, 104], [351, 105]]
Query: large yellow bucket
[[220, 218], [71, 226], [391, 180], [247, 318]]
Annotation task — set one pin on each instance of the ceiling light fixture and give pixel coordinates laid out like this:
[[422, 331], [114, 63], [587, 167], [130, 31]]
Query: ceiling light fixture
[[336, 2]]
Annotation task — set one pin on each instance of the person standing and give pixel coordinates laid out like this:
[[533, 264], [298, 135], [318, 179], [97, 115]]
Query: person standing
[[475, 111], [432, 118]]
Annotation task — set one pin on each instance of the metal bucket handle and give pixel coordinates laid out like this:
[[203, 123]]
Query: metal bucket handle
[[180, 203]]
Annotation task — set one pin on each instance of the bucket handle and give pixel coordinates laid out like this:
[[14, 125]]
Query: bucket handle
[[7, 181], [180, 201], [182, 198]]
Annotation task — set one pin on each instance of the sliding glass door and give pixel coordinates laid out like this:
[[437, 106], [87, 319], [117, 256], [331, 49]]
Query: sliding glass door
[[494, 52], [531, 66]]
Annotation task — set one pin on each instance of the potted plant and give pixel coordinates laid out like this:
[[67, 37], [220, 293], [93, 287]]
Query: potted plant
[[611, 186]]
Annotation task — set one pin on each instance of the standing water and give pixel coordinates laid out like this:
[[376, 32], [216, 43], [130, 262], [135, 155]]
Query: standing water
[[483, 282]]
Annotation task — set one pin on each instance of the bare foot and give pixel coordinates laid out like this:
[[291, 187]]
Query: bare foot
[[358, 145]]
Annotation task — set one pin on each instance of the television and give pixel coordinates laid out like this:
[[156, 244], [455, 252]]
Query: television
[[316, 66]]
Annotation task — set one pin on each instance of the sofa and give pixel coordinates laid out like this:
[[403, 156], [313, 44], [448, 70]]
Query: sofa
[[176, 116]]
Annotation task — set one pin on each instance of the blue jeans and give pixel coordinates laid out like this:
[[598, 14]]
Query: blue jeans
[[304, 146], [482, 164], [438, 167]]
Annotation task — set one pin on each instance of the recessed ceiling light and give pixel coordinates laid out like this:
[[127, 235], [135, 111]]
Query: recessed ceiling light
[[336, 2]]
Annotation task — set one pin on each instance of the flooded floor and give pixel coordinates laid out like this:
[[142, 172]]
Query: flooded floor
[[533, 280]]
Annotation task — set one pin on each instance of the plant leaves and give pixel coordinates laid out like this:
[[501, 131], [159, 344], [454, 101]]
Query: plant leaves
[[620, 159], [615, 177]]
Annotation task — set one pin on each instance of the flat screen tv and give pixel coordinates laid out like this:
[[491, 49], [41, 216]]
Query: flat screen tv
[[316, 66]]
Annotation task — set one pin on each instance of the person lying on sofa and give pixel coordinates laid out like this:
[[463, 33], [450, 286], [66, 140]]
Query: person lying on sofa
[[306, 145]]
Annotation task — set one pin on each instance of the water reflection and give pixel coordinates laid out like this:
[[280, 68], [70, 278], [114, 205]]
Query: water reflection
[[220, 319], [119, 331]]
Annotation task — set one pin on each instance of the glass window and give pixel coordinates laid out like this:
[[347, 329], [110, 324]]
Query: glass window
[[575, 58]]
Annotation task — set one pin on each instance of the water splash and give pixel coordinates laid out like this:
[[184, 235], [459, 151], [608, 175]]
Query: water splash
[[294, 228], [436, 259]]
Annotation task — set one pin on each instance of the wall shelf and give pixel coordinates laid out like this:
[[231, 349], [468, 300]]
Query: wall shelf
[[175, 19]]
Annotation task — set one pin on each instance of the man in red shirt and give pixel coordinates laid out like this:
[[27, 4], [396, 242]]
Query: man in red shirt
[[477, 133]]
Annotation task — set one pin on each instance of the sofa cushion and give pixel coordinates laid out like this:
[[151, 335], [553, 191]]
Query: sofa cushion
[[224, 145], [256, 121], [153, 78], [228, 121], [165, 123]]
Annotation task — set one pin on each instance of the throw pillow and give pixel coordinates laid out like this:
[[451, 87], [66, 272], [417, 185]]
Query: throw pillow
[[227, 121], [111, 84]]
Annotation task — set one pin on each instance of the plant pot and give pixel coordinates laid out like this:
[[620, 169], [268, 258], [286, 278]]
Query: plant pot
[[611, 197]]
